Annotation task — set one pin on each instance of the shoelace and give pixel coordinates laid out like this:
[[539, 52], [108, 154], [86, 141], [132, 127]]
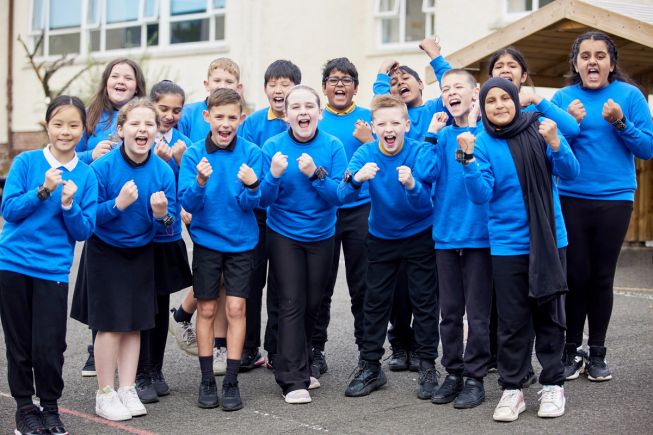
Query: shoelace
[[131, 396], [360, 368], [32, 419], [52, 419], [547, 394], [597, 361], [398, 353], [507, 397], [188, 333], [428, 375]]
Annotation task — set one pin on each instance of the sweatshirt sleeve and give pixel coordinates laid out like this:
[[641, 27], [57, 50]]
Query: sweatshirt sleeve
[[564, 162], [106, 208], [269, 184], [18, 202], [381, 84], [638, 134], [190, 193], [479, 178], [440, 66], [328, 187], [567, 124], [349, 191], [427, 164], [80, 218], [419, 197], [249, 199]]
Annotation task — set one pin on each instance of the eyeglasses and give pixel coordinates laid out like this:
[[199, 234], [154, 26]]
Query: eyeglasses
[[333, 81]]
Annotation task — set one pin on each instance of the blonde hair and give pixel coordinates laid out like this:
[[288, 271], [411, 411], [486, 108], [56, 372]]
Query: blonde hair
[[388, 101], [135, 104], [226, 64], [306, 88]]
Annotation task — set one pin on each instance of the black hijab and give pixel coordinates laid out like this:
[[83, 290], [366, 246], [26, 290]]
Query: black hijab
[[528, 149]]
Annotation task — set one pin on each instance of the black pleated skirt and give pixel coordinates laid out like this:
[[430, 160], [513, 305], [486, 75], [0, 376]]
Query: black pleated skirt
[[171, 270]]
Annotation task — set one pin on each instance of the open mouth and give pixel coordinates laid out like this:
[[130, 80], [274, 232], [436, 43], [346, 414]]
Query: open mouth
[[454, 103], [506, 76], [141, 140], [119, 88], [404, 90], [593, 74], [224, 134], [278, 100], [389, 139], [340, 93], [304, 123]]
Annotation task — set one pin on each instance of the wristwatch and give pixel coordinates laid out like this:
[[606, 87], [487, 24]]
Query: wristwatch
[[43, 193], [620, 124], [463, 157], [319, 174], [166, 220], [254, 185]]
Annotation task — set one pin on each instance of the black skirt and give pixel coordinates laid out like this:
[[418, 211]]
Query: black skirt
[[115, 289], [171, 269]]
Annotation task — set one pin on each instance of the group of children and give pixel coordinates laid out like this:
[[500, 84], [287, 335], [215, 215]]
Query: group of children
[[504, 184]]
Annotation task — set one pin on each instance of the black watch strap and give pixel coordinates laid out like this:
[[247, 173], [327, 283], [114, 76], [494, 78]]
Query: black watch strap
[[620, 124], [463, 157], [43, 192], [254, 185]]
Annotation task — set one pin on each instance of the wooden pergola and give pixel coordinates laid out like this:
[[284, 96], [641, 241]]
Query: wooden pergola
[[545, 38]]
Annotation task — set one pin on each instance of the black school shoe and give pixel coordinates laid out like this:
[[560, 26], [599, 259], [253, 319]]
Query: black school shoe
[[29, 421], [145, 389], [413, 362], [159, 383], [597, 369], [448, 391], [251, 359], [231, 397], [367, 378], [472, 395], [319, 365], [207, 396], [89, 366], [427, 381], [573, 362], [52, 422], [398, 360]]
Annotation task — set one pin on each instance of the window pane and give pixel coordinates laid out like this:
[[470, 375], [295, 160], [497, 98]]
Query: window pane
[[118, 11], [219, 4], [127, 37], [93, 16], [65, 13], [180, 7], [35, 39], [520, 5], [189, 31], [386, 5], [94, 38], [152, 34], [219, 28], [545, 2], [64, 44], [151, 8], [38, 22], [415, 21], [389, 30]]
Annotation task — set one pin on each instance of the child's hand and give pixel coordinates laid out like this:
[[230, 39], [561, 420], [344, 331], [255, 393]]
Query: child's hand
[[52, 179], [528, 98], [612, 111], [159, 204], [363, 131], [178, 150], [67, 192], [306, 164], [474, 113], [101, 149], [204, 171], [438, 122], [127, 196], [186, 217], [549, 131], [431, 47], [466, 142], [577, 110], [406, 177], [278, 164], [246, 175], [387, 66], [367, 172], [163, 150]]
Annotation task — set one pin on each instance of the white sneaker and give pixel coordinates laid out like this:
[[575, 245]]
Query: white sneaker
[[129, 397], [510, 406], [184, 335], [314, 384], [298, 397], [109, 406], [552, 401], [219, 361]]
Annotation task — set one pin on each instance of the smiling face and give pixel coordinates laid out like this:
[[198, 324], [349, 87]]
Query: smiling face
[[458, 94], [121, 84], [65, 129], [303, 113], [138, 132], [593, 64], [406, 87], [224, 121], [390, 124], [508, 68], [169, 109], [220, 78], [276, 90], [499, 107], [339, 95]]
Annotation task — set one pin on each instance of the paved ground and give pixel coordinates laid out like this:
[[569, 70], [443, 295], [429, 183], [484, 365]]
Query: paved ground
[[621, 406]]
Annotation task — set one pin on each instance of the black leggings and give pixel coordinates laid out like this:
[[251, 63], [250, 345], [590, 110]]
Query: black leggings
[[153, 341], [596, 231]]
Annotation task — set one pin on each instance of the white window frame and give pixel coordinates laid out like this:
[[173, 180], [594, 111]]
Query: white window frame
[[512, 16], [399, 11], [163, 18]]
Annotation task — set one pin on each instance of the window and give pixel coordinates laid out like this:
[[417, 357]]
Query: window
[[518, 8], [98, 26], [401, 22]]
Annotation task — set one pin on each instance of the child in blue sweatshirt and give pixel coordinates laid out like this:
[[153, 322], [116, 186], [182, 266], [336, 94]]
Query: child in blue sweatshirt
[[302, 199], [399, 232], [462, 249], [50, 200], [615, 127], [219, 186], [115, 292], [511, 165]]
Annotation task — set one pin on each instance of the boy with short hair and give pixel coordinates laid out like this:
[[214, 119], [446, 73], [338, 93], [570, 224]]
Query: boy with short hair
[[259, 126], [223, 73], [399, 232], [224, 234]]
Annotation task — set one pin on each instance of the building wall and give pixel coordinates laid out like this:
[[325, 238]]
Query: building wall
[[4, 19]]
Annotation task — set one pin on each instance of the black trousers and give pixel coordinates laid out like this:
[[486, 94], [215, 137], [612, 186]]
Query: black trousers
[[518, 316], [257, 283], [596, 231], [351, 234], [301, 270], [34, 314], [400, 333], [465, 284], [384, 260], [153, 341]]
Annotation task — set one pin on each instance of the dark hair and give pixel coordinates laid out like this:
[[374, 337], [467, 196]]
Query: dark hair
[[62, 101], [616, 74], [100, 102], [341, 64], [136, 103], [222, 97], [459, 71], [519, 58], [166, 87], [408, 70], [283, 69]]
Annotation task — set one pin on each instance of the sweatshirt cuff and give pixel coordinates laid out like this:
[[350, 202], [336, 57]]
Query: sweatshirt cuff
[[543, 106], [270, 179]]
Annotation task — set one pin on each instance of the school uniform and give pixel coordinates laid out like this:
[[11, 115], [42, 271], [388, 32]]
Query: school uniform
[[36, 252], [399, 231], [192, 123], [351, 229], [597, 204], [301, 225], [115, 290], [106, 129]]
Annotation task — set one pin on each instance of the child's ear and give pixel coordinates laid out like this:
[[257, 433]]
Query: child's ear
[[407, 125], [320, 115], [206, 86], [205, 115], [239, 89], [242, 118], [120, 131]]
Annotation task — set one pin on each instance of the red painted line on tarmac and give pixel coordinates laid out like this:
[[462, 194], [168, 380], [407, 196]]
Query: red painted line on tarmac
[[104, 422]]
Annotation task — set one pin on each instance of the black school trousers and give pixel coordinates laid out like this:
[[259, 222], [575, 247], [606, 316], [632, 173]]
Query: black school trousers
[[301, 270], [384, 259], [34, 314], [596, 231], [465, 285], [153, 341], [519, 315], [257, 283], [351, 234], [400, 333]]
